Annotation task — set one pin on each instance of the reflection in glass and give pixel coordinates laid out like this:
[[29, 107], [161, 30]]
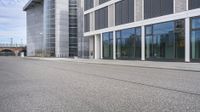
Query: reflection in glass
[[128, 43], [165, 41], [195, 39], [195, 23], [107, 45]]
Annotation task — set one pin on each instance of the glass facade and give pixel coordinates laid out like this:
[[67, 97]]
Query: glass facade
[[193, 4], [73, 28], [124, 12], [49, 28], [107, 45], [156, 8], [88, 4], [87, 23], [101, 18], [128, 43], [166, 41], [103, 1], [195, 38]]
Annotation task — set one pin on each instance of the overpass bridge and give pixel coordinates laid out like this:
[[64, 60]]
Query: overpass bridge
[[12, 49]]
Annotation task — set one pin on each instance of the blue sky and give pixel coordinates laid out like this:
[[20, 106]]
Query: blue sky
[[12, 21]]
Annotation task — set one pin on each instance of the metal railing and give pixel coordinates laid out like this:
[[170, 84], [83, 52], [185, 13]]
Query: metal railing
[[12, 45]]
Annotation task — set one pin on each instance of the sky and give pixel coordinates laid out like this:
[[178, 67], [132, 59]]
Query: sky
[[12, 21]]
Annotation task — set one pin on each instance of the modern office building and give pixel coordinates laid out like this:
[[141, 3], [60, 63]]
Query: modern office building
[[54, 27], [164, 30]]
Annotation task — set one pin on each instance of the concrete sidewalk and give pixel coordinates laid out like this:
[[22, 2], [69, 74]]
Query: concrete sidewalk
[[131, 63]]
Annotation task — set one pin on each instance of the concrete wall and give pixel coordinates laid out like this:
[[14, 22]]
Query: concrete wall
[[80, 27], [180, 5], [96, 3], [92, 21], [111, 15], [138, 10], [35, 30]]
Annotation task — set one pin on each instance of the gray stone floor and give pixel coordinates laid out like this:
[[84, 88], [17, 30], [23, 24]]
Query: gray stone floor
[[61, 86]]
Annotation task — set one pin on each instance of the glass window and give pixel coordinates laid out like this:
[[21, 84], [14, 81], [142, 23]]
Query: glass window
[[148, 30], [156, 8], [101, 18], [124, 12], [88, 4], [138, 31], [165, 41], [107, 45], [163, 28], [195, 23], [103, 1], [195, 39], [87, 22], [73, 44], [193, 4], [128, 43]]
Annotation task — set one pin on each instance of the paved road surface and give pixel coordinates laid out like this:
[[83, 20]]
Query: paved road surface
[[58, 86]]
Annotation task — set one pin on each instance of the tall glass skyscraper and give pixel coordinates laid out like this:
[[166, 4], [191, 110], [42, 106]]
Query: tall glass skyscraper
[[54, 27]]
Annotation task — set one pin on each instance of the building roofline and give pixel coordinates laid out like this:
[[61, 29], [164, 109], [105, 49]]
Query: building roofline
[[30, 4]]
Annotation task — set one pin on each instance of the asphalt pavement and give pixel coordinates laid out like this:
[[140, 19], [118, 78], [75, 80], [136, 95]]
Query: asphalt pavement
[[28, 85]]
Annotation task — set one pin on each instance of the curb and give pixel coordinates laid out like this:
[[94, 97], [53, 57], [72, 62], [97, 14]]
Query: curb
[[106, 63]]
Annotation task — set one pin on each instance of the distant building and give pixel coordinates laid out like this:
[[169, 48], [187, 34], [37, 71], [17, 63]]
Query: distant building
[[162, 30], [54, 27]]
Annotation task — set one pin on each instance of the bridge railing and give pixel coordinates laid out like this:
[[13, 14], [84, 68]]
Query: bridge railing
[[12, 45]]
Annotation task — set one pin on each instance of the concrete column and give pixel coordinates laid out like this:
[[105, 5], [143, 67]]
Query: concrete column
[[138, 10], [96, 3], [187, 4], [92, 21], [111, 17], [187, 40], [143, 44], [114, 45], [101, 39], [97, 47], [180, 6]]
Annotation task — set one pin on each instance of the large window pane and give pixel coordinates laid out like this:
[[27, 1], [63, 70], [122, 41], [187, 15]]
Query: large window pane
[[124, 12], [193, 4], [195, 39], [103, 1], [101, 18], [87, 22], [108, 45], [88, 4], [195, 47], [180, 39], [155, 8], [128, 43], [165, 40], [149, 45], [195, 23]]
